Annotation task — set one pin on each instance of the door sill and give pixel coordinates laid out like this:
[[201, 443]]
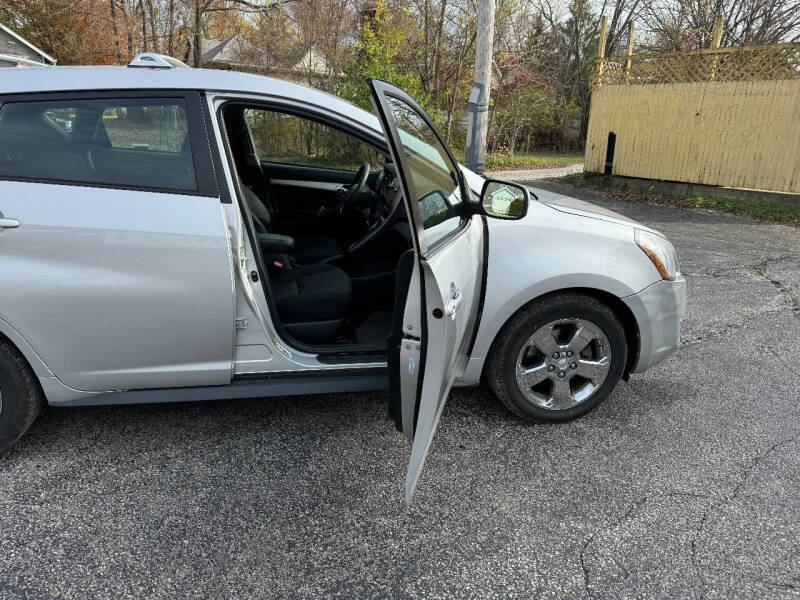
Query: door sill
[[261, 385], [353, 357]]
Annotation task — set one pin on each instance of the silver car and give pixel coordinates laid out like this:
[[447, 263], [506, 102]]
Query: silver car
[[173, 234]]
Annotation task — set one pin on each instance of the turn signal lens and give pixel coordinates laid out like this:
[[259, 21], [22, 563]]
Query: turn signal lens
[[660, 252]]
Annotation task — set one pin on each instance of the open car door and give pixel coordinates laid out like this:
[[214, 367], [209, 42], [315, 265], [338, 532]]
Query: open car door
[[444, 278]]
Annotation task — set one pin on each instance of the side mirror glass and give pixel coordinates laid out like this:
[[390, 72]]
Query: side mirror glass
[[504, 200], [432, 208]]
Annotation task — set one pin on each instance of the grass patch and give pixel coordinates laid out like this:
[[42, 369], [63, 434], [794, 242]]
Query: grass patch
[[538, 160], [764, 209]]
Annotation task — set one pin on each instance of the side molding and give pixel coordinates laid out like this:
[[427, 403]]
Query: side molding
[[293, 384]]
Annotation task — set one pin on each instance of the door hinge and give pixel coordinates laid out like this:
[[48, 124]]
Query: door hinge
[[243, 258], [241, 323], [410, 342]]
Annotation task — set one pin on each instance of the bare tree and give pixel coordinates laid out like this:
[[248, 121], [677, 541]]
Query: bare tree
[[115, 28], [678, 25], [200, 8], [623, 14]]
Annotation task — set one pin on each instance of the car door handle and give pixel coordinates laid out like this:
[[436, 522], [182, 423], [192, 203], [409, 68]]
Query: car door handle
[[8, 223], [455, 301]]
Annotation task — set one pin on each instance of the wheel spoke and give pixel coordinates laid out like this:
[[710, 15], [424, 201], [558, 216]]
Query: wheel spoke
[[562, 397], [594, 370], [544, 341], [531, 376], [580, 339]]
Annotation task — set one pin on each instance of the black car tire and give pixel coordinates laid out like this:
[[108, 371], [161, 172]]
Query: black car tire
[[500, 370], [21, 397]]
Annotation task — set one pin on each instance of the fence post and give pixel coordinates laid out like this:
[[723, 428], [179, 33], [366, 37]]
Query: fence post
[[716, 37], [716, 40], [630, 53], [601, 50]]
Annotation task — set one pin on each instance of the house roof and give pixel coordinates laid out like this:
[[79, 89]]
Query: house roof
[[236, 51], [228, 51], [311, 60], [36, 49]]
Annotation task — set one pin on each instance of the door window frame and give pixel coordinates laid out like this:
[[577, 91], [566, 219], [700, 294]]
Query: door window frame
[[329, 355], [205, 174], [368, 135], [463, 208], [337, 126], [343, 125]]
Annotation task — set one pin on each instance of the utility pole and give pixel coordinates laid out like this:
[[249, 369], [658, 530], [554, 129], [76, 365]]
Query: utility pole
[[478, 105], [197, 50]]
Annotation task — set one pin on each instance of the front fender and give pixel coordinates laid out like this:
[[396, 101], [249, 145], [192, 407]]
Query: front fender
[[550, 251]]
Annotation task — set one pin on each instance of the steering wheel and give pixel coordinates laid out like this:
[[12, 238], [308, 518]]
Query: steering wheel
[[355, 189], [383, 222]]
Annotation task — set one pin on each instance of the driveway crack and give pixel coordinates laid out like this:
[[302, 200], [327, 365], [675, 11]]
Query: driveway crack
[[789, 366], [733, 326], [756, 266], [602, 528], [761, 270], [734, 494]]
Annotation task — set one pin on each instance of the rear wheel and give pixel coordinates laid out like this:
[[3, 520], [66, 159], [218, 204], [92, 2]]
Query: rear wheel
[[21, 396], [557, 358]]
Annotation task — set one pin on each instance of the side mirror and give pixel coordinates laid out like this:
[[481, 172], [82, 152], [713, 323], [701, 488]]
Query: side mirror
[[433, 208], [504, 200]]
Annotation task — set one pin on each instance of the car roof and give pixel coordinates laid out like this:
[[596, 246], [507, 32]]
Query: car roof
[[70, 79]]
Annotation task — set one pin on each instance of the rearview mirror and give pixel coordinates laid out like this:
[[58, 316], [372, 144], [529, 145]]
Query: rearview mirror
[[504, 200]]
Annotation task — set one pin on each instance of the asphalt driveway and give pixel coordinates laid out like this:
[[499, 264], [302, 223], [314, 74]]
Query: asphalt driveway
[[684, 484]]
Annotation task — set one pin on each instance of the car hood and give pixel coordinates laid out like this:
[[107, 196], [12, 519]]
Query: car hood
[[575, 206], [564, 204]]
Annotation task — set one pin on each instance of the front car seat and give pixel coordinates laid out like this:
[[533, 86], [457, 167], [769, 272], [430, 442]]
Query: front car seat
[[308, 249], [312, 301]]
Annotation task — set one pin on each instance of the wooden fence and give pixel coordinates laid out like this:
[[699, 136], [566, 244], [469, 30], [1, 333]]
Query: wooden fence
[[724, 116]]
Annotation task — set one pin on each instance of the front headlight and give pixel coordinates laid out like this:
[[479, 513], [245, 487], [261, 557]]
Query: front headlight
[[660, 252]]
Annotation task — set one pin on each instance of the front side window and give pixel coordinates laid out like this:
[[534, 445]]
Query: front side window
[[139, 143], [432, 174], [288, 139]]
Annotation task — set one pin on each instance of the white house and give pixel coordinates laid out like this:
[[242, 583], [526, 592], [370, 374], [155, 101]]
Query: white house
[[302, 62], [16, 51]]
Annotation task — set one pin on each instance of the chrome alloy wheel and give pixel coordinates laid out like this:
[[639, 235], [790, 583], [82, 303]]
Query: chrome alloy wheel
[[563, 363]]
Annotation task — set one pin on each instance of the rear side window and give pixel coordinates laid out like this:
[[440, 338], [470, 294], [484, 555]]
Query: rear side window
[[155, 128], [119, 142]]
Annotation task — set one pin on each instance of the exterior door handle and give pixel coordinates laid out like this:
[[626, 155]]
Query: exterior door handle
[[8, 223], [452, 305]]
